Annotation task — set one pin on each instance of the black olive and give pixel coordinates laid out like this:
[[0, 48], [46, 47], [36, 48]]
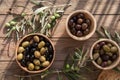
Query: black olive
[[79, 34], [114, 57], [74, 18], [88, 21], [50, 56], [32, 50], [102, 43], [105, 57], [47, 44], [27, 57], [32, 57], [80, 15], [50, 48], [23, 62], [27, 49], [34, 45], [73, 31], [86, 31], [84, 26], [78, 27], [41, 39], [104, 64], [71, 21], [97, 46]]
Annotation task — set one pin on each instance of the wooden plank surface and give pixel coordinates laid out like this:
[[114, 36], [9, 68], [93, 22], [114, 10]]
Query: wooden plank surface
[[106, 13]]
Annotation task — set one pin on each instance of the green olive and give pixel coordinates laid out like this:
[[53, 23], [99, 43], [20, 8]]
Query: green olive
[[37, 67], [109, 53], [109, 62], [95, 56], [25, 43], [20, 56], [114, 49], [99, 61], [42, 59], [57, 15], [7, 25], [31, 66], [37, 54], [110, 45], [36, 62], [13, 23], [45, 64], [41, 44], [36, 38], [106, 48], [21, 49], [52, 17], [48, 25], [42, 50]]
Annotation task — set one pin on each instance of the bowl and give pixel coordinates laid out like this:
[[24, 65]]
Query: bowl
[[105, 54], [80, 25], [35, 53]]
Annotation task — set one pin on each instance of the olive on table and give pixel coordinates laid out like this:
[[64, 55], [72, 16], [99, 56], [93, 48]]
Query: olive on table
[[19, 56], [42, 59], [37, 54], [45, 63], [25, 43], [41, 44], [36, 38], [31, 66], [21, 49]]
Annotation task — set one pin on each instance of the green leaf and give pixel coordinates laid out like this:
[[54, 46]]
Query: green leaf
[[37, 11], [107, 34]]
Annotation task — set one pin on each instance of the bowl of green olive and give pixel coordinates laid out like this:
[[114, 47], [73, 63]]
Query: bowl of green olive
[[80, 25], [105, 54], [35, 53]]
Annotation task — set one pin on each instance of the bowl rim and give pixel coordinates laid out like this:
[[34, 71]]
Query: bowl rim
[[24, 68], [110, 66], [86, 36]]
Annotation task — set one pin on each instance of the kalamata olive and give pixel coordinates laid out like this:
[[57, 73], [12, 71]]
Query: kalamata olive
[[21, 49], [86, 31], [73, 31], [32, 50], [37, 54], [50, 57], [23, 62], [36, 38], [102, 43], [97, 47], [71, 21], [114, 49], [109, 53], [102, 52], [95, 56], [32, 57], [105, 57], [45, 63], [31, 66], [74, 18], [25, 43], [88, 21], [36, 62], [41, 44], [78, 27], [109, 62], [114, 57], [79, 21], [81, 15], [27, 57], [27, 49], [42, 50], [84, 26], [110, 45], [20, 56], [42, 59], [106, 48], [34, 45], [79, 34], [104, 64], [50, 48], [37, 67], [47, 44], [99, 61]]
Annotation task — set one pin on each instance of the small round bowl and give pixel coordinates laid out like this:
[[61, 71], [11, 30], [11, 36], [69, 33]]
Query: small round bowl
[[114, 63], [27, 37], [92, 25]]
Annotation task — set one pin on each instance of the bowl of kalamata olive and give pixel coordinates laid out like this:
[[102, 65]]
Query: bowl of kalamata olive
[[35, 53], [105, 54], [80, 25]]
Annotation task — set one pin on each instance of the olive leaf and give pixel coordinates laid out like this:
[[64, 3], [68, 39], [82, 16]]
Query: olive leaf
[[37, 11]]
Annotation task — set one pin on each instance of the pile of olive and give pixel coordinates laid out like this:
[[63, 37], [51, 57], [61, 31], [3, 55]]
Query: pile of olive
[[79, 25], [35, 53], [105, 53]]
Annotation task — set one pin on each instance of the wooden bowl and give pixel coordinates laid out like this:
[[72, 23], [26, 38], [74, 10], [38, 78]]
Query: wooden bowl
[[27, 37], [92, 26], [114, 63]]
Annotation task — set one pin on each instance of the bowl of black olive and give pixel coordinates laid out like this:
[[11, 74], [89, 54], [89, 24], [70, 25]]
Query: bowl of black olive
[[35, 53], [80, 25], [105, 54]]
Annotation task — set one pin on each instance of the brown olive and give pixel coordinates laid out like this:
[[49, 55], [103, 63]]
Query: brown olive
[[42, 59], [42, 50], [80, 15], [41, 44], [114, 49], [79, 34], [20, 56], [21, 49], [31, 66], [79, 21], [102, 51], [37, 67], [97, 47], [99, 61], [45, 64], [95, 56], [36, 38], [36, 62], [25, 43], [86, 31], [88, 21], [110, 45], [109, 53], [84, 26], [37, 54], [106, 48], [78, 27], [73, 31]]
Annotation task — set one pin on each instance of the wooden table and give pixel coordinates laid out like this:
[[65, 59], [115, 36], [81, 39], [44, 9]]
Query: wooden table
[[106, 13]]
